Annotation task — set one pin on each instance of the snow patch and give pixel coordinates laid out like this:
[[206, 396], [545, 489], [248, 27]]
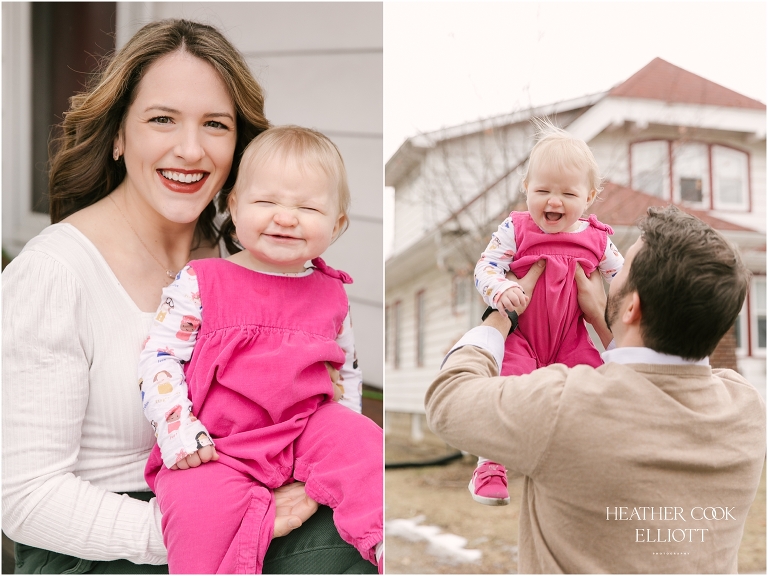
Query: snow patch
[[441, 544]]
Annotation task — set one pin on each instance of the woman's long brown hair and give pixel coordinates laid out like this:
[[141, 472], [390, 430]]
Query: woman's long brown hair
[[82, 169]]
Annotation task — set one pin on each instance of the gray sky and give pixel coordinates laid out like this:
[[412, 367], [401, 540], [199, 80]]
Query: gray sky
[[450, 62], [446, 63]]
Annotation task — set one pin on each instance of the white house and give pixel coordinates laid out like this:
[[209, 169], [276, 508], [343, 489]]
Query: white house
[[320, 64], [664, 135]]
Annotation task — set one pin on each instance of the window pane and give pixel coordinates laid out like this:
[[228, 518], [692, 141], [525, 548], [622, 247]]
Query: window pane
[[758, 305], [690, 189], [420, 321], [387, 332], [396, 326], [691, 172], [650, 167], [760, 295], [729, 170]]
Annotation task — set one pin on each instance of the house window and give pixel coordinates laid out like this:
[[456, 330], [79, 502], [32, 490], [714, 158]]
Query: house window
[[730, 179], [706, 176], [740, 330], [395, 317], [691, 173], [387, 332], [460, 293], [650, 167], [420, 324], [758, 315], [392, 334]]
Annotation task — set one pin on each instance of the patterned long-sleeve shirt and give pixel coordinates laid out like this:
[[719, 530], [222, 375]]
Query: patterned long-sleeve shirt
[[170, 345], [495, 261]]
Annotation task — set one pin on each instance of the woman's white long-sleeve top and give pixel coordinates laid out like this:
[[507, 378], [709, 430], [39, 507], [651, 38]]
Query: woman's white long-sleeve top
[[72, 424]]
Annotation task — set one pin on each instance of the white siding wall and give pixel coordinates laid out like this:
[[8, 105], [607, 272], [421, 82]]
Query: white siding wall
[[611, 151], [407, 385], [409, 214]]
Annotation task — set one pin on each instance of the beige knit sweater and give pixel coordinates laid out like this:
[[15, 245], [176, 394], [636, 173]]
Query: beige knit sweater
[[620, 462]]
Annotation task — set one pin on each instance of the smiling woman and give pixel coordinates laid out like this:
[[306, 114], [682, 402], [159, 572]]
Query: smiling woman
[[144, 151], [178, 138]]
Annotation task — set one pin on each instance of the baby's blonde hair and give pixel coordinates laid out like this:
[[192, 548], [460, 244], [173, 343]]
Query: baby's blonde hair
[[555, 145], [310, 148]]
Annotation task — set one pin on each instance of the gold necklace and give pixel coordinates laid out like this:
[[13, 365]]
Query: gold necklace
[[168, 273]]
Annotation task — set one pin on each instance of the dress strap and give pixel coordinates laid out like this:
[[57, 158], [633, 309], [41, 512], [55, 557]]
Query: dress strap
[[320, 265], [599, 225]]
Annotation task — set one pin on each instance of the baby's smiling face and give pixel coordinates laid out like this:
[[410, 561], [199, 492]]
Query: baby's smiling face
[[286, 214], [557, 196]]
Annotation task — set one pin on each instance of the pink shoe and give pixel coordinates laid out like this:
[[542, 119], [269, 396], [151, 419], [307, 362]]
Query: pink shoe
[[489, 484]]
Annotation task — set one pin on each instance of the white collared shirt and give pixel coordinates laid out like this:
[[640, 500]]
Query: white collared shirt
[[641, 355], [491, 340]]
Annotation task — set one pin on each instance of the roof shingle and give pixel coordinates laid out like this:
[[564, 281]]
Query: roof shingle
[[660, 80], [623, 206]]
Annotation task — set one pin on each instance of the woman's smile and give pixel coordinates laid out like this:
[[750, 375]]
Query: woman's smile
[[185, 182]]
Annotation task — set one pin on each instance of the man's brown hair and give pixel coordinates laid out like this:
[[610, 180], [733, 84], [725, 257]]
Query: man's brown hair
[[691, 283]]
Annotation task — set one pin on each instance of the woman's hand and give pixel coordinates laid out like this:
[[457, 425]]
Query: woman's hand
[[338, 389], [292, 508]]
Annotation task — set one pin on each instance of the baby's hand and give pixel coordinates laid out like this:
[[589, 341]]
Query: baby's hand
[[338, 389], [512, 298], [203, 455]]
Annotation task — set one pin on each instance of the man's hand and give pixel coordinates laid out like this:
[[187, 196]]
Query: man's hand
[[528, 283], [512, 298], [499, 320], [203, 455], [292, 508], [592, 300]]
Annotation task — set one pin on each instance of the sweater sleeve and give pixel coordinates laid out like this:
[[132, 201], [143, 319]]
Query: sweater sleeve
[[47, 354], [494, 263], [164, 391], [506, 419], [351, 375]]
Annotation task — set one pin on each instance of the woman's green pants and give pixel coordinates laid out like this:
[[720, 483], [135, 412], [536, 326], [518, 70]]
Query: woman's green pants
[[315, 548]]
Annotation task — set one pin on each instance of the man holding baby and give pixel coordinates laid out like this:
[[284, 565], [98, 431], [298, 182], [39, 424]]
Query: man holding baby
[[648, 463]]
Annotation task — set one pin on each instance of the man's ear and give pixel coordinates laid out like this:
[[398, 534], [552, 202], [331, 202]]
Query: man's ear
[[633, 313]]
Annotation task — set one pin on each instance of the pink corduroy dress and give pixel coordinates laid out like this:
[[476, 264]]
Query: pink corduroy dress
[[258, 382], [552, 329]]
